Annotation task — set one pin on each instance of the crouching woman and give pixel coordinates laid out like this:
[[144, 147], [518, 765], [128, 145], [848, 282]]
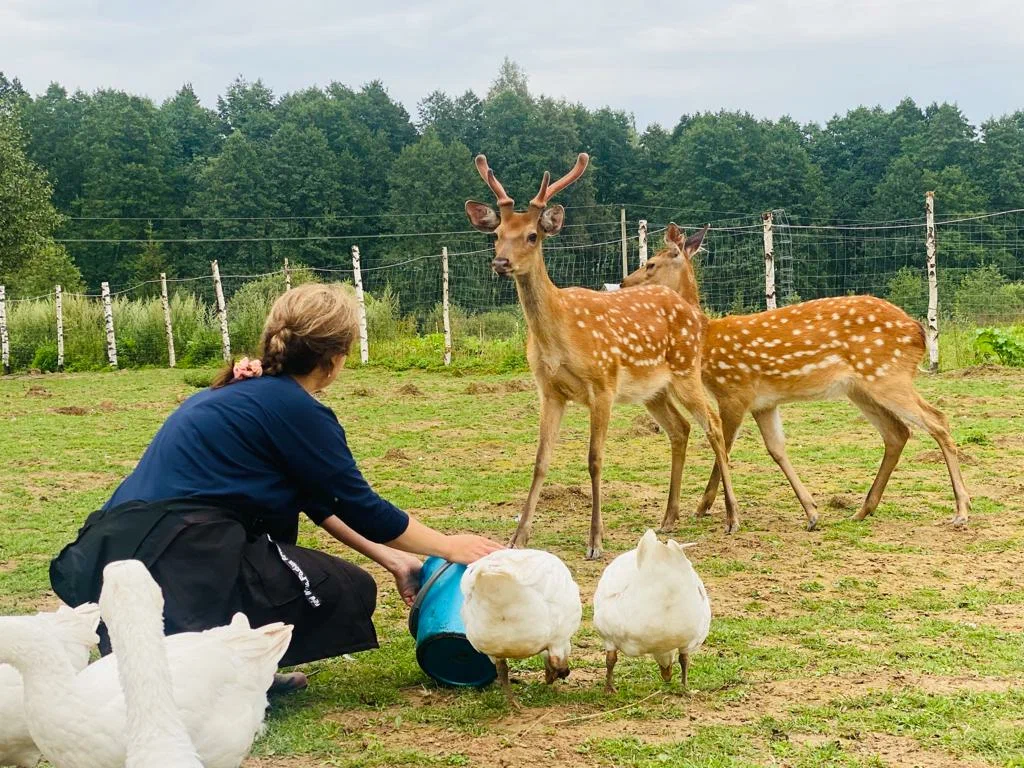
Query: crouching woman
[[212, 508]]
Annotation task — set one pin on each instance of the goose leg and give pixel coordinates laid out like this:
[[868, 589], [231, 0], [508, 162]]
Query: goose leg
[[684, 666], [610, 659]]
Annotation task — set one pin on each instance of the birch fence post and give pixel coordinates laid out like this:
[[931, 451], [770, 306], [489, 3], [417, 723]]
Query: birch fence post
[[59, 304], [108, 321], [933, 287], [166, 304], [641, 239], [357, 278], [769, 260], [5, 341], [446, 318], [625, 242], [222, 313], [287, 276]]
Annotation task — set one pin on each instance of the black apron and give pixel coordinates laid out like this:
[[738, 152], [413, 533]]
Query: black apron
[[211, 562]]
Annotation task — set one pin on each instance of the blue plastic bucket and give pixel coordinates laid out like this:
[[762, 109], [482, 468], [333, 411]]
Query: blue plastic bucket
[[442, 650]]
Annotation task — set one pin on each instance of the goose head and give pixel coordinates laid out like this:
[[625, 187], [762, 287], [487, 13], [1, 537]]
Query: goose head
[[128, 583], [75, 629], [654, 554]]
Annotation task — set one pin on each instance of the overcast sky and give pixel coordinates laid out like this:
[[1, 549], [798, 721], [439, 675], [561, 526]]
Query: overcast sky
[[809, 59]]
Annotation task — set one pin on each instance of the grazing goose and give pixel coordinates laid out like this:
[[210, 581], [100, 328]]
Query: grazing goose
[[518, 603], [650, 600], [133, 608], [75, 632], [219, 681]]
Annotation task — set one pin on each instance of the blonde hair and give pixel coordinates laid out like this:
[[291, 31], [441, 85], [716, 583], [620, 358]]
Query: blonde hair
[[307, 328]]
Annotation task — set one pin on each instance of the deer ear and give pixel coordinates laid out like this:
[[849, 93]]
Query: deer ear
[[694, 241], [482, 217], [673, 235], [551, 219]]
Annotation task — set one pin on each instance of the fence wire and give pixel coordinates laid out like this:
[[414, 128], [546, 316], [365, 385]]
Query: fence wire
[[980, 282]]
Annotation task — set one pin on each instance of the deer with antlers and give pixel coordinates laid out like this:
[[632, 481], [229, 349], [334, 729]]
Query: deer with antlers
[[596, 348], [858, 346]]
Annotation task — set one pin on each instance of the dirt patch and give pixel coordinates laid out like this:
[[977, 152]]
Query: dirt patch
[[936, 457], [561, 494], [107, 405], [481, 388], [37, 390], [362, 392], [643, 424], [974, 371], [396, 454], [842, 502], [410, 390], [71, 410], [519, 385]]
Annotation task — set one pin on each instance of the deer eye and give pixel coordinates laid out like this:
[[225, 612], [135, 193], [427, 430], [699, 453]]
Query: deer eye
[[650, 266], [531, 238]]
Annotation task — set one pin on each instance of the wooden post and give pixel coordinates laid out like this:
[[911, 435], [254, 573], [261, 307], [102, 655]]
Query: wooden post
[[769, 261], [932, 336], [5, 341], [108, 320], [222, 313], [287, 276], [444, 307], [59, 303], [364, 346], [625, 242], [641, 238], [166, 304]]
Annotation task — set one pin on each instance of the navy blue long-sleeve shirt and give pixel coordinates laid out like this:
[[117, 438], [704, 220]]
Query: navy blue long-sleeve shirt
[[264, 447]]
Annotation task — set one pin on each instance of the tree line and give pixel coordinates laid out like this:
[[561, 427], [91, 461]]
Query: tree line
[[338, 161]]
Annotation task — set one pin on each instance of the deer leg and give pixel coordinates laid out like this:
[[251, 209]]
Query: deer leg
[[551, 411], [894, 434], [600, 412], [690, 391], [770, 424], [678, 430], [906, 403], [732, 418]]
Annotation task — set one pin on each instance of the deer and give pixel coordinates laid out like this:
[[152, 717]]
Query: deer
[[860, 347], [595, 348]]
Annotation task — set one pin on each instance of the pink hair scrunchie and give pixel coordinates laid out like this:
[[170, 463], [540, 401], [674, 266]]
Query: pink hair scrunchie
[[248, 369]]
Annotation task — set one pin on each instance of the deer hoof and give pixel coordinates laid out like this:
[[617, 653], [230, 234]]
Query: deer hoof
[[594, 553], [812, 523], [732, 527], [959, 521]]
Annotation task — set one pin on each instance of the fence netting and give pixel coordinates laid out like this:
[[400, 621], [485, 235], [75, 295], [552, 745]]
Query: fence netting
[[980, 281]]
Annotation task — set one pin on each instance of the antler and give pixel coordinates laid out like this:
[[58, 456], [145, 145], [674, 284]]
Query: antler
[[547, 192], [492, 181]]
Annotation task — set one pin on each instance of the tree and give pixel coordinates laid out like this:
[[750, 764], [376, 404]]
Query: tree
[[247, 107], [511, 79], [431, 177], [31, 262]]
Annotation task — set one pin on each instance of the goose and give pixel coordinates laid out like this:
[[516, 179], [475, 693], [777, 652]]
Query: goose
[[518, 603], [219, 683], [650, 600], [132, 606], [75, 632]]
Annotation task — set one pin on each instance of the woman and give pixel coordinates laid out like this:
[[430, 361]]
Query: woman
[[213, 506]]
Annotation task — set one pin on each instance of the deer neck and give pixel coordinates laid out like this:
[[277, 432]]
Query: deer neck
[[542, 305], [687, 287]]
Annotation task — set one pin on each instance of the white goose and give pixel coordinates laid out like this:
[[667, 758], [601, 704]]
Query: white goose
[[650, 600], [75, 631], [133, 608], [518, 603], [219, 683]]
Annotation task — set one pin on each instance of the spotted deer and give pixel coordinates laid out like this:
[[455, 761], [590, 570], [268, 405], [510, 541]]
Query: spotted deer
[[860, 347], [596, 348]]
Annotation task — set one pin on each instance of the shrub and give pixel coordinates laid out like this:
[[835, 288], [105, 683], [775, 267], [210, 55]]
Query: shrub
[[46, 358], [984, 296], [31, 325], [202, 349], [996, 345], [908, 289], [140, 332]]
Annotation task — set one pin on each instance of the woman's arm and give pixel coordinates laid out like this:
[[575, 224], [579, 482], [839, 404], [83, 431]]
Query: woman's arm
[[404, 567], [418, 539]]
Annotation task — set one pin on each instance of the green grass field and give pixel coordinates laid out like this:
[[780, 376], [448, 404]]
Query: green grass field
[[896, 641]]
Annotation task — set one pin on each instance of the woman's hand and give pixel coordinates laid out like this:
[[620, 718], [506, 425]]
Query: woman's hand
[[468, 548], [406, 571]]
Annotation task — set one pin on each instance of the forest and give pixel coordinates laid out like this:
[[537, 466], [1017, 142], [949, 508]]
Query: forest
[[267, 175]]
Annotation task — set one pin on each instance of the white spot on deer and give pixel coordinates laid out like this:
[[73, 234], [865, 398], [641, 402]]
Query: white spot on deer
[[581, 324], [577, 310], [745, 331], [871, 318], [877, 329], [727, 337], [896, 353], [796, 331], [764, 324], [586, 311], [880, 372], [879, 342], [685, 332], [783, 319], [720, 380], [846, 323], [888, 324], [835, 315], [868, 361], [904, 339], [860, 366], [833, 334], [724, 365], [869, 377], [615, 351], [756, 366]]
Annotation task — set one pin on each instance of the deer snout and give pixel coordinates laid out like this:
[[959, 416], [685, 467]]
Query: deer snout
[[501, 265]]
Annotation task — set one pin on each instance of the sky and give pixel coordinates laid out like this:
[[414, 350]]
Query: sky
[[808, 59]]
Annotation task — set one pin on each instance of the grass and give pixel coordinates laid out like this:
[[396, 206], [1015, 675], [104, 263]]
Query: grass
[[895, 641]]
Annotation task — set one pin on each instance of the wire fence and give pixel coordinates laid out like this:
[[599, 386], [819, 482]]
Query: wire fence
[[979, 280]]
